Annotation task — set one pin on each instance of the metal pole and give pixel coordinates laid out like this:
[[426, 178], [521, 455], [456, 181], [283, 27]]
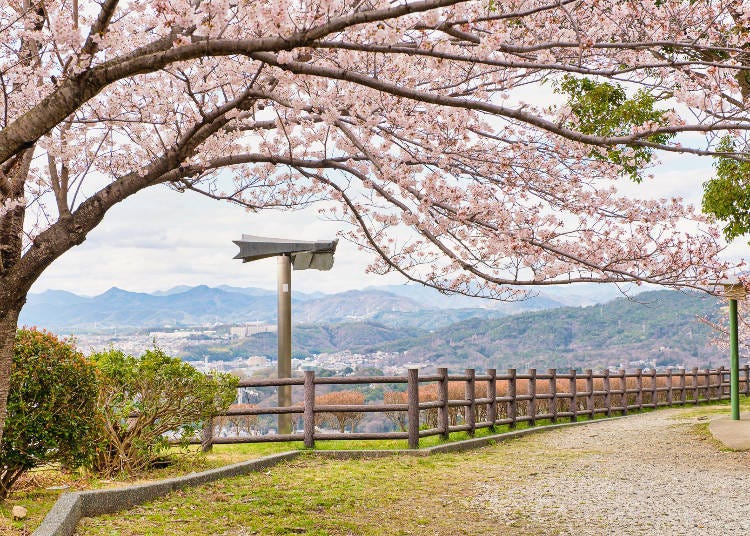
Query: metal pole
[[285, 338], [734, 388]]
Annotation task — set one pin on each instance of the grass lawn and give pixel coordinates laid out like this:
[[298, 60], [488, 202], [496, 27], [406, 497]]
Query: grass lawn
[[401, 495], [308, 495]]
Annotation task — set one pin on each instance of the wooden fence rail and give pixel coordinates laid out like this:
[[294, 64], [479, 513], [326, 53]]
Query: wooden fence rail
[[437, 404]]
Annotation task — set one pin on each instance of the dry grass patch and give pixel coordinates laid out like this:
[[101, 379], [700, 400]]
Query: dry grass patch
[[397, 495]]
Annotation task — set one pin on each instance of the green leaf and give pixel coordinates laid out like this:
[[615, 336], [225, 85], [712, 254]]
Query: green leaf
[[604, 109], [727, 195]]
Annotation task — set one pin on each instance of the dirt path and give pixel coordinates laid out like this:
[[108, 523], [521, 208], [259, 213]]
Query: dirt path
[[654, 473]]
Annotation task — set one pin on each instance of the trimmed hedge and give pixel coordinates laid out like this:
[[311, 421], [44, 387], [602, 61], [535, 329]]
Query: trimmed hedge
[[51, 407]]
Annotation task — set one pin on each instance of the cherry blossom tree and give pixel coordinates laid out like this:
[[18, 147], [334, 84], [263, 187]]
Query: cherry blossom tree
[[410, 119]]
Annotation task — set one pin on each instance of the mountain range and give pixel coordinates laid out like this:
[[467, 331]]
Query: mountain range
[[395, 305]]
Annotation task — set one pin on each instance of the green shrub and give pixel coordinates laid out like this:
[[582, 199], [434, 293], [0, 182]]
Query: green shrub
[[51, 407], [145, 400]]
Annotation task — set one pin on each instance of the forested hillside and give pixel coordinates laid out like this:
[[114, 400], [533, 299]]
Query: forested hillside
[[659, 327]]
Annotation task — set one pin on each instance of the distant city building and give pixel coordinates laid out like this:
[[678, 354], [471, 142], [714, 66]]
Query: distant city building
[[257, 361], [251, 328], [172, 335], [247, 395]]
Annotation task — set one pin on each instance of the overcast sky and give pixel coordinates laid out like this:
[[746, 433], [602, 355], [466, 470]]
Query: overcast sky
[[159, 239]]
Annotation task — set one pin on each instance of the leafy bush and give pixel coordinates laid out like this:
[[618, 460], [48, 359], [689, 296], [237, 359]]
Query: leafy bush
[[51, 407], [146, 400], [605, 109]]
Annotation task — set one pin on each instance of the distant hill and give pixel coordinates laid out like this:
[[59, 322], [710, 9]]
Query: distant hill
[[353, 305], [405, 306], [541, 297], [430, 319], [660, 328], [307, 339], [202, 305], [118, 308]]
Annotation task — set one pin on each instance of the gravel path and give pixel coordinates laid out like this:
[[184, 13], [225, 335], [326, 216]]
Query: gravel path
[[646, 474]]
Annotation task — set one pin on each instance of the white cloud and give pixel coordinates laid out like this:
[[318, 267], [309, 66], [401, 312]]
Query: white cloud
[[160, 239]]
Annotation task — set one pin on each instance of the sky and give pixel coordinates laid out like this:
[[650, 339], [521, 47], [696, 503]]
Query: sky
[[159, 239]]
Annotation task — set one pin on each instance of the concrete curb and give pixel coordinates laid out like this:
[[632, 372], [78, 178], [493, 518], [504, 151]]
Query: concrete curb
[[61, 520], [734, 435]]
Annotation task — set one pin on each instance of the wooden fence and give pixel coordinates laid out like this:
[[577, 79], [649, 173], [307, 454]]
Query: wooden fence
[[433, 407]]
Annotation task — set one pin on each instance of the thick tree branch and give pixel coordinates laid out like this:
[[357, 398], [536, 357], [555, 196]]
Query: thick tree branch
[[75, 91], [518, 114]]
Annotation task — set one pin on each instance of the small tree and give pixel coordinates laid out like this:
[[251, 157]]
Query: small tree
[[144, 399], [237, 424], [51, 407], [456, 391], [340, 419], [398, 418]]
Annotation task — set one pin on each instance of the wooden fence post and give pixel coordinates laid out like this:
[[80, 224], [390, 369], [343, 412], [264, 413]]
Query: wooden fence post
[[607, 393], [492, 395], [720, 375], [624, 389], [412, 395], [652, 373], [553, 391], [683, 387], [669, 386], [532, 394], [207, 435], [590, 392], [696, 392], [309, 414], [639, 387], [470, 411], [512, 393], [574, 396], [747, 380], [443, 413], [707, 374]]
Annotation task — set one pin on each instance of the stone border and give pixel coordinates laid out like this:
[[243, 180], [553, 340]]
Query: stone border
[[733, 434], [61, 520]]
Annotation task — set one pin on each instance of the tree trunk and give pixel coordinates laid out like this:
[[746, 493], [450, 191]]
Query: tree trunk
[[12, 288], [8, 324]]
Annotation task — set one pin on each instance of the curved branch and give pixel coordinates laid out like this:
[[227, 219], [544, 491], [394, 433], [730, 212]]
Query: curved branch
[[517, 114], [74, 91], [408, 50]]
